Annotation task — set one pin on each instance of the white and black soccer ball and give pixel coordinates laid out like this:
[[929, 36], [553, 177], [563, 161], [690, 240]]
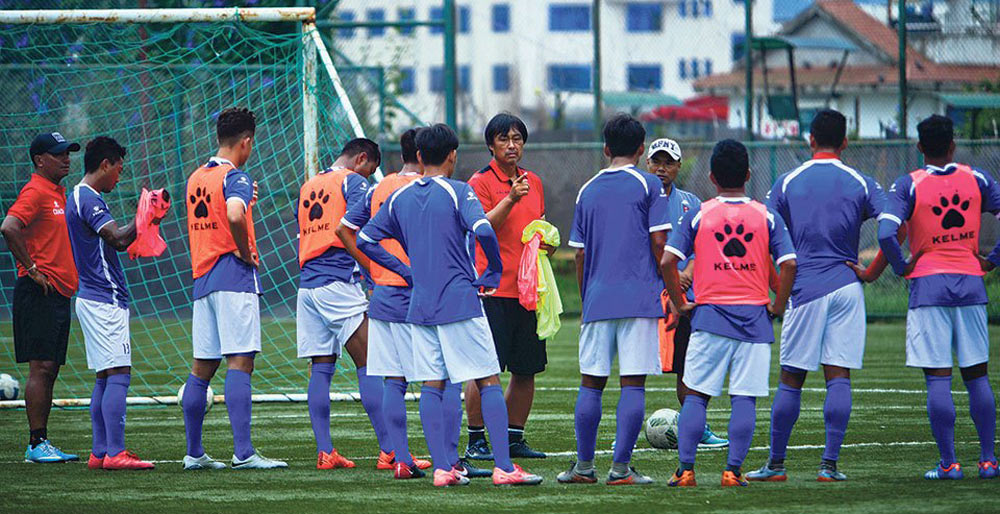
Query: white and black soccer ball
[[9, 387], [209, 396], [661, 429]]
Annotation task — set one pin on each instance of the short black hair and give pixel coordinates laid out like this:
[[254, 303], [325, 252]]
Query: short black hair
[[501, 124], [363, 145], [936, 135], [730, 163], [829, 128], [408, 146], [234, 124], [100, 148], [435, 143], [623, 135]]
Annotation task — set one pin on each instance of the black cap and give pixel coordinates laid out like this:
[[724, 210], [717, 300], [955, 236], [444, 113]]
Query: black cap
[[53, 143]]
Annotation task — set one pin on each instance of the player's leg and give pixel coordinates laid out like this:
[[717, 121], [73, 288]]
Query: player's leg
[[369, 387], [207, 356], [972, 347], [478, 448], [597, 349], [929, 334], [705, 367], [452, 405], [748, 372], [429, 368], [638, 356], [98, 447], [386, 342], [526, 358], [239, 339], [682, 335]]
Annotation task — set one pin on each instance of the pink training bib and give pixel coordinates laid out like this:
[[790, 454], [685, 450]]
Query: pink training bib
[[732, 245], [944, 226]]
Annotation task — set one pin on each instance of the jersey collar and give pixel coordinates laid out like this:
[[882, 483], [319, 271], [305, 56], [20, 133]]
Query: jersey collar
[[935, 170], [825, 156], [733, 199], [219, 161], [500, 175]]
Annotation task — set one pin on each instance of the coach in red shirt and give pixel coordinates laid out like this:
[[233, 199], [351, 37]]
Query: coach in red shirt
[[512, 197], [35, 230]]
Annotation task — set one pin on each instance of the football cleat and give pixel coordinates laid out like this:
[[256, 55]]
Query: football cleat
[[574, 476], [448, 478], [333, 460], [126, 460], [95, 462], [479, 450], [988, 469], [730, 479], [710, 440], [466, 469], [388, 461], [768, 474], [516, 477], [203, 462], [829, 473], [258, 461], [684, 479], [952, 472], [44, 453], [633, 477], [404, 472], [521, 450]]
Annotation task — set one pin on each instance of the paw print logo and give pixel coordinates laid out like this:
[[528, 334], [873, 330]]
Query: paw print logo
[[951, 208], [734, 247], [317, 201], [201, 198]]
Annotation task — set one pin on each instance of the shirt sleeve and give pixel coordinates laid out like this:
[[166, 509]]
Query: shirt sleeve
[[239, 186], [382, 226], [875, 200], [899, 201], [577, 234], [775, 199], [482, 191], [681, 239], [470, 208], [990, 192], [541, 194], [25, 208], [355, 190], [780, 240], [659, 215], [94, 212], [359, 213]]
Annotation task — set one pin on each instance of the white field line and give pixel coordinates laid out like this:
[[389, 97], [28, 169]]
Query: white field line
[[804, 389]]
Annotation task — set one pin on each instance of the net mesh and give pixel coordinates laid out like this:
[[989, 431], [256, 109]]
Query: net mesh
[[158, 89]]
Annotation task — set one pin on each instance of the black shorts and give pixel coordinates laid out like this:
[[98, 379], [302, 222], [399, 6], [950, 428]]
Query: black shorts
[[515, 334], [41, 323], [681, 335]]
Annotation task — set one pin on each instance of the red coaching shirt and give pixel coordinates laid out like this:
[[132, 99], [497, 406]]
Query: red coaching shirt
[[492, 185], [41, 206]]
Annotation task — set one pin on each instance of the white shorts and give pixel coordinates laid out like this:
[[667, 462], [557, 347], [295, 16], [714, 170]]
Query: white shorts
[[458, 351], [635, 341], [390, 350], [326, 317], [105, 334], [934, 332], [711, 356], [829, 330], [225, 323]]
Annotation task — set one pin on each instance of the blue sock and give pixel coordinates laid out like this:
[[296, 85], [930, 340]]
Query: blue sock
[[983, 409], [452, 404], [318, 398], [691, 427], [432, 418], [784, 414], [836, 414], [394, 413], [370, 389], [587, 419], [239, 405], [495, 416], [193, 405], [113, 409], [99, 443], [629, 416], [941, 411], [742, 420]]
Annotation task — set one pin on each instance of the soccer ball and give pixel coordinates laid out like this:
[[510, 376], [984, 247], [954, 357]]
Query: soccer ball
[[9, 388], [209, 396], [661, 429]]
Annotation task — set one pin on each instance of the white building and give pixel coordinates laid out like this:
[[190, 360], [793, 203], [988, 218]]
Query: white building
[[534, 57]]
